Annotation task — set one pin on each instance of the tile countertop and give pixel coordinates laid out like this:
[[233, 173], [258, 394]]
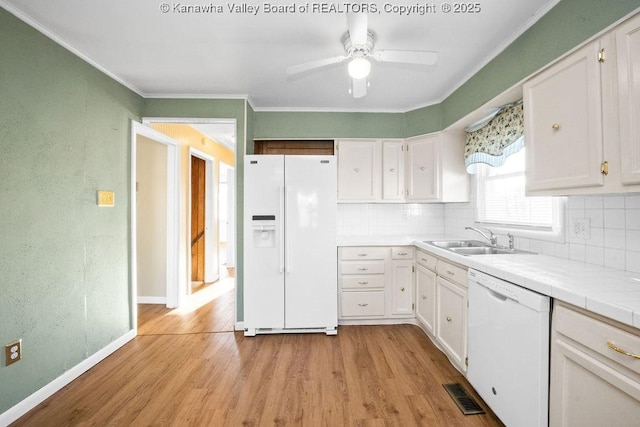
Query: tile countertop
[[606, 291]]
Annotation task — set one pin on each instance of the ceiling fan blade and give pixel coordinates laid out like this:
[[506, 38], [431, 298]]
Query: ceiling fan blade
[[313, 65], [358, 30], [359, 87], [406, 56]]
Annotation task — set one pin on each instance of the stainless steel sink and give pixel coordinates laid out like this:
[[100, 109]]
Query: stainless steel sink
[[449, 244], [473, 247], [485, 250]]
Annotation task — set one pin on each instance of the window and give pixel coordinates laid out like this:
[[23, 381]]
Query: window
[[501, 202]]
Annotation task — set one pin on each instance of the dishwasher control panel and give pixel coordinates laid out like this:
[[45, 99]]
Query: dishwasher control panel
[[504, 289]]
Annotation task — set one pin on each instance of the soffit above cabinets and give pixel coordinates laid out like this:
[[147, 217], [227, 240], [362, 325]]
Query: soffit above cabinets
[[159, 50]]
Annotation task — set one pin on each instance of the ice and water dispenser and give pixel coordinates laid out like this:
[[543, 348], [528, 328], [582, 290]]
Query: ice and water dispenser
[[264, 231]]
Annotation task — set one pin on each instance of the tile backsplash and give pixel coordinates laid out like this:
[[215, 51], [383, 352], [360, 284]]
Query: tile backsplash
[[390, 219], [613, 239]]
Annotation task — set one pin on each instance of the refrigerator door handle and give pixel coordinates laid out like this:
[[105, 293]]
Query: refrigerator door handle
[[281, 251], [287, 263]]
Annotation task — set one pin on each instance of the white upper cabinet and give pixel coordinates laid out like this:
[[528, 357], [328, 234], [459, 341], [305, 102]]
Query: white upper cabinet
[[359, 170], [563, 110], [393, 170], [427, 168], [423, 168], [582, 118], [627, 38]]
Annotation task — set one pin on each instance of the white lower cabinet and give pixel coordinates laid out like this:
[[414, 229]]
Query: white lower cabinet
[[595, 371], [451, 320], [376, 282], [399, 282], [426, 290]]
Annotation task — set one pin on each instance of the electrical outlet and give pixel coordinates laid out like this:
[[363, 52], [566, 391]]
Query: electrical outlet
[[106, 198], [13, 352], [581, 228]]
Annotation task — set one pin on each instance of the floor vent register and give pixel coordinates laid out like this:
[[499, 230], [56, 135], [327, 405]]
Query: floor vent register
[[466, 403]]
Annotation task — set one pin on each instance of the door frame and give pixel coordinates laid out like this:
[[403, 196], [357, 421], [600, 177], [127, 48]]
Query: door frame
[[211, 249], [173, 217]]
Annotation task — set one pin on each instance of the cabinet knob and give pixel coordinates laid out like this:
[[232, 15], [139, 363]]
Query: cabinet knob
[[356, 170], [424, 297], [362, 268], [449, 319], [555, 127], [362, 254], [363, 283], [402, 289], [362, 305], [392, 170], [422, 168]]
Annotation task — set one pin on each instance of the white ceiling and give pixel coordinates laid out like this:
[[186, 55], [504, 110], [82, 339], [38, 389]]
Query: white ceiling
[[214, 55]]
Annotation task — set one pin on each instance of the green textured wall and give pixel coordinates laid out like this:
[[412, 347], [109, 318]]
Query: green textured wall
[[328, 125], [64, 262], [215, 109]]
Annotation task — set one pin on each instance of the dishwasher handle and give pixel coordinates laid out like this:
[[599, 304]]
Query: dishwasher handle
[[497, 295]]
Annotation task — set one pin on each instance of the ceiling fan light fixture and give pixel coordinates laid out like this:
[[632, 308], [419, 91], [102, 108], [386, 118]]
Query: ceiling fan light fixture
[[359, 67]]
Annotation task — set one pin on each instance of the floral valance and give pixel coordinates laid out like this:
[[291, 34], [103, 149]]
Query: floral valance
[[496, 137]]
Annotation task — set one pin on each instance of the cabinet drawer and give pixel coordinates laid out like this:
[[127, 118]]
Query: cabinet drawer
[[598, 335], [426, 260], [362, 304], [359, 282], [363, 267], [401, 252], [357, 253], [452, 272]]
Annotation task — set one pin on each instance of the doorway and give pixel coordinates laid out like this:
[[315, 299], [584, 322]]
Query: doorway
[[155, 172], [213, 141]]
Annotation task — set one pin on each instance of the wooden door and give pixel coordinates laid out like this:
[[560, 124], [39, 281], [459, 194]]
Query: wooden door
[[198, 179]]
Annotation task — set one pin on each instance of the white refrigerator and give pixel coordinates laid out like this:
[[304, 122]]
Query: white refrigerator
[[290, 267]]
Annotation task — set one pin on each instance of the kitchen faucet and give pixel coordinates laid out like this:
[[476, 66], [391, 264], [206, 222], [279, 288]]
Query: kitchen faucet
[[492, 238]]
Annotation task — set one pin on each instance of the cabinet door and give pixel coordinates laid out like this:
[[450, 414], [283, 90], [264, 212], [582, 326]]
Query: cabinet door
[[359, 170], [591, 384], [563, 123], [426, 297], [628, 46], [401, 288], [451, 320], [393, 170], [423, 168]]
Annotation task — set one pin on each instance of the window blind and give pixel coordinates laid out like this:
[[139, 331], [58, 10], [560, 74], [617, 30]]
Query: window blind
[[501, 197]]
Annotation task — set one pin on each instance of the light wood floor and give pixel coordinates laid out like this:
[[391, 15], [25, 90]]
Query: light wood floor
[[187, 369]]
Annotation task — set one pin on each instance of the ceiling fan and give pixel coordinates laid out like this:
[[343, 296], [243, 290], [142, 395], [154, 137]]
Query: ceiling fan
[[358, 44]]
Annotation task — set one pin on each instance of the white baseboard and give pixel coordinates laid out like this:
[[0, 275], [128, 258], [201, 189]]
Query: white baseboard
[[152, 300], [45, 392]]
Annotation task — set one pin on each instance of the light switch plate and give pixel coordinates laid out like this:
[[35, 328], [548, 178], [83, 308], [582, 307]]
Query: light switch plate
[[106, 198]]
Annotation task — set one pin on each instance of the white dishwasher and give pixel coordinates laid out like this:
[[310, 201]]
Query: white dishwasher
[[509, 349]]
